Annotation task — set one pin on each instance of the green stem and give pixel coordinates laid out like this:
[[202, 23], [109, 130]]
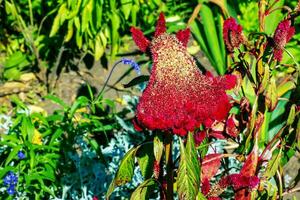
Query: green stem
[[30, 12], [98, 97], [169, 165]]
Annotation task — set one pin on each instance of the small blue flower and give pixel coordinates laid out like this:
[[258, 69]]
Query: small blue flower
[[10, 179], [133, 64], [11, 190], [21, 155]]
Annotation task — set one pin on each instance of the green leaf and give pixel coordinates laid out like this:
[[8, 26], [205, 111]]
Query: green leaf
[[200, 196], [27, 128], [115, 24], [284, 88], [212, 38], [58, 20], [79, 103], [273, 164], [70, 31], [158, 147], [55, 136], [86, 16], [57, 100], [15, 59], [198, 35], [126, 6], [99, 49], [292, 115], [188, 180], [12, 74], [136, 81], [145, 158], [277, 119], [274, 17], [125, 171], [271, 94], [78, 38], [143, 190], [12, 154]]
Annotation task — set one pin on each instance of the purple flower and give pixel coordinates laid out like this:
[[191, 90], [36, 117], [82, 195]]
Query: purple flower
[[10, 179], [133, 64], [11, 190], [21, 155]]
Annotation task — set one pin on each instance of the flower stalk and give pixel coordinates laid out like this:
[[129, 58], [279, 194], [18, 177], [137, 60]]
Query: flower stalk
[[169, 165]]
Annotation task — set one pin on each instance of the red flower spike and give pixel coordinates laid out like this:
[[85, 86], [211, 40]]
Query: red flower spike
[[183, 36], [160, 26], [283, 34], [210, 166], [232, 34], [140, 40], [239, 181], [178, 97]]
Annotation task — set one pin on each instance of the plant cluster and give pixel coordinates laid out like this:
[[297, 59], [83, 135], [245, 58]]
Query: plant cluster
[[180, 100]]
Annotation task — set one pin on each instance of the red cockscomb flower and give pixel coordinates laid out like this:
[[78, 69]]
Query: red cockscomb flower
[[283, 34], [178, 97], [232, 34]]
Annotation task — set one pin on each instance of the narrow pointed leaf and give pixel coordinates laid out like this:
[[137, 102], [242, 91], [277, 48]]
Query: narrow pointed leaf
[[143, 190], [210, 166], [125, 171], [136, 81], [188, 180], [158, 147], [273, 164], [145, 158]]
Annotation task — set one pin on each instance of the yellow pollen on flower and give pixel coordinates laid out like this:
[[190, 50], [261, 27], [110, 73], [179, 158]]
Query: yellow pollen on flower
[[173, 63]]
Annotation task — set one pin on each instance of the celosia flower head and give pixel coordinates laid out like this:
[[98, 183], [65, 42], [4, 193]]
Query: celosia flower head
[[283, 34], [178, 97], [232, 34]]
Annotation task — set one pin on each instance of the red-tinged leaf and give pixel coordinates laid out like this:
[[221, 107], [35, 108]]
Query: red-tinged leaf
[[210, 166], [144, 190], [217, 134], [205, 186], [248, 169], [160, 26], [231, 126]]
